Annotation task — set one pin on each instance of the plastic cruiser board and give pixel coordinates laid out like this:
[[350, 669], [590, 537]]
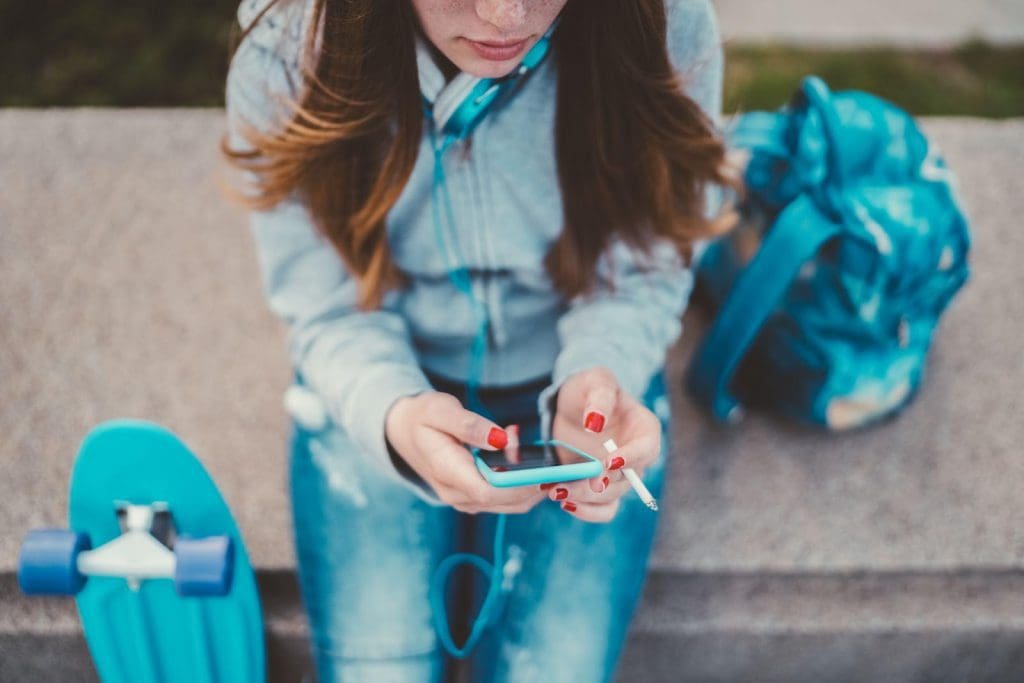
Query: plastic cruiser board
[[155, 560]]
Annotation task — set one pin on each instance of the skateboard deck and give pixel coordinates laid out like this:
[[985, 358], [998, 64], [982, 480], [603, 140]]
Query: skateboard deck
[[132, 476]]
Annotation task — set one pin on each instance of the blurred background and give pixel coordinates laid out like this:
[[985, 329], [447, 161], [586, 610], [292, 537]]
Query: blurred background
[[945, 57], [129, 288]]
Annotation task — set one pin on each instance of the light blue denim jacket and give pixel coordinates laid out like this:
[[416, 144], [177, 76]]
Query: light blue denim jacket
[[508, 212]]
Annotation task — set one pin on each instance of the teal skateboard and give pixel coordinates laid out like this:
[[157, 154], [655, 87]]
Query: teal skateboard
[[163, 584]]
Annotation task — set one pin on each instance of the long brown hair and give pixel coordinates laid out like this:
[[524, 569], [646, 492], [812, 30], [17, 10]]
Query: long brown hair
[[634, 153]]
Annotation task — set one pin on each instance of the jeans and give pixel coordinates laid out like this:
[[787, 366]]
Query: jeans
[[367, 548]]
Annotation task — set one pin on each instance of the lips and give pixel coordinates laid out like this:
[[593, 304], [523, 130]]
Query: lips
[[498, 51]]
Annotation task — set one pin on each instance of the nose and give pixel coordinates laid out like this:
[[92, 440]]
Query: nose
[[507, 15]]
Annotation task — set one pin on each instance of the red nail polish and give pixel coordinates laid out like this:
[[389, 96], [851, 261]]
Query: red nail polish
[[561, 494], [497, 437], [616, 463], [594, 421], [569, 506], [548, 486], [606, 481]]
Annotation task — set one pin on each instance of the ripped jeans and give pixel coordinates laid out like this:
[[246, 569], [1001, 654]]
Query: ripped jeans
[[367, 548]]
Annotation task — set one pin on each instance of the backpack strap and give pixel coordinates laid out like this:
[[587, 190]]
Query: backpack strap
[[761, 131], [798, 233]]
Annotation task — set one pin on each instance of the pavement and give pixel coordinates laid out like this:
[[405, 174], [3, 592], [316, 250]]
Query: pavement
[[129, 288], [907, 23]]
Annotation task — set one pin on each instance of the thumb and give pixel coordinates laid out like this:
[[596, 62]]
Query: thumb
[[467, 426]]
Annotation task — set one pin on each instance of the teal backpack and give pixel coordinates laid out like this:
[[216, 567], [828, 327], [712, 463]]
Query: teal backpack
[[852, 245]]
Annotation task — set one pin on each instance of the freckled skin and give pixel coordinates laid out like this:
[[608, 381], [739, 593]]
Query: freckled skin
[[449, 24]]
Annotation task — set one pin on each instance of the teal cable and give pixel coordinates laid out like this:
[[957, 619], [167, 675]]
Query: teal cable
[[460, 278], [490, 607], [457, 271]]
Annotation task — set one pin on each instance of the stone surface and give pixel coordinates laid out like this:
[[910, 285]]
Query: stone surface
[[128, 287], [920, 23], [937, 488]]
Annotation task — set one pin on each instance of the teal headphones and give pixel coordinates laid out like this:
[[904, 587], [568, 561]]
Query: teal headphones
[[457, 108], [453, 111]]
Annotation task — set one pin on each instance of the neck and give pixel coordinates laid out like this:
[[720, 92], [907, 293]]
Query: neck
[[447, 67]]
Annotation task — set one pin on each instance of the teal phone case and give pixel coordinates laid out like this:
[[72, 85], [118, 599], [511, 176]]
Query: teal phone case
[[541, 475]]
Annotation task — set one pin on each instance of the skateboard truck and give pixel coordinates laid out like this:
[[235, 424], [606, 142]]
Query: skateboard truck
[[136, 554], [57, 561]]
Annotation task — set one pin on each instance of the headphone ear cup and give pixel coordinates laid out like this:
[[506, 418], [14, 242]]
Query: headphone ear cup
[[461, 104], [455, 111]]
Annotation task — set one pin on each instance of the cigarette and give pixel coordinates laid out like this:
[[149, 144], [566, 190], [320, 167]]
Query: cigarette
[[634, 479]]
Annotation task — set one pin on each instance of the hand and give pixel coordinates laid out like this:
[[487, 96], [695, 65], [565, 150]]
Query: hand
[[591, 409], [428, 430]]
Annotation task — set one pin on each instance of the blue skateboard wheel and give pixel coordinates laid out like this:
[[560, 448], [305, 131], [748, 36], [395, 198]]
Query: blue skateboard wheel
[[204, 566], [48, 562]]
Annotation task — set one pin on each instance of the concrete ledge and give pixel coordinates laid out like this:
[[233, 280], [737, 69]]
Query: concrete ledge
[[129, 288], [41, 639], [690, 627]]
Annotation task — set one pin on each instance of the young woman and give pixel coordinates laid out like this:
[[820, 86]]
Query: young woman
[[446, 292]]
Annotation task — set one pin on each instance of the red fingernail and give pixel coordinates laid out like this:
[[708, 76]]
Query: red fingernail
[[594, 422], [561, 494], [616, 463], [497, 437], [545, 487], [605, 481], [569, 506]]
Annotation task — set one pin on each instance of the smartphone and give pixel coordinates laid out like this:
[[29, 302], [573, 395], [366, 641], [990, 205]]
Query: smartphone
[[536, 463]]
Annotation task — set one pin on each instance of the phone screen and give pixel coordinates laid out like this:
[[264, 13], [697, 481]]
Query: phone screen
[[529, 456]]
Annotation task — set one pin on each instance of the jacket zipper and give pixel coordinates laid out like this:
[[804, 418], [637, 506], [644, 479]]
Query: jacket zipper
[[490, 231], [481, 242]]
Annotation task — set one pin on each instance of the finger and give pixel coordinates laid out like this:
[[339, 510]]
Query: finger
[[599, 402], [592, 512], [492, 499], [448, 416], [581, 492], [460, 502], [520, 507], [598, 484], [467, 490], [474, 494], [636, 453], [512, 449]]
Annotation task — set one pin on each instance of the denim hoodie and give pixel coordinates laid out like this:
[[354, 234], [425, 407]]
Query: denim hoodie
[[507, 204]]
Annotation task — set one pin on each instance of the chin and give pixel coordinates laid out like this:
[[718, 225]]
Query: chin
[[485, 68]]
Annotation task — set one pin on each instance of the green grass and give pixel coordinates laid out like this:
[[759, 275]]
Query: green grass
[[155, 53], [114, 53], [975, 79]]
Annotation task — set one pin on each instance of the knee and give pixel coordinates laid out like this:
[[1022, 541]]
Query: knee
[[418, 667]]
